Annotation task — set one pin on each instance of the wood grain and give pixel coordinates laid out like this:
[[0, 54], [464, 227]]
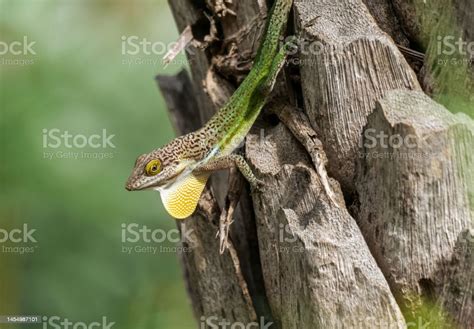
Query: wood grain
[[415, 188], [355, 65]]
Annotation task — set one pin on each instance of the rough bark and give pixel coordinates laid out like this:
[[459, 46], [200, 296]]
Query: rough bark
[[383, 12], [210, 89], [297, 259], [301, 234], [213, 285], [415, 181], [317, 268], [357, 63], [419, 17]]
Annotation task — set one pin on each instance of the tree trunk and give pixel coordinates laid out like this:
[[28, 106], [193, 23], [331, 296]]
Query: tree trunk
[[297, 257]]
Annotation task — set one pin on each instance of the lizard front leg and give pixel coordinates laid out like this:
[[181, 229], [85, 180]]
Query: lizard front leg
[[229, 161]]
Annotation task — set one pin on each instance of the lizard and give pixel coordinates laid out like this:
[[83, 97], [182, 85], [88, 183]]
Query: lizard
[[180, 169]]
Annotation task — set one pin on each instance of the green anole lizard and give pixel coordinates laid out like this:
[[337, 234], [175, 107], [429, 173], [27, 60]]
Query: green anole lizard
[[180, 169]]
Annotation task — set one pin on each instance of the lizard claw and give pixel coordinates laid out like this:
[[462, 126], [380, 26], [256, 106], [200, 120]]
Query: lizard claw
[[259, 186]]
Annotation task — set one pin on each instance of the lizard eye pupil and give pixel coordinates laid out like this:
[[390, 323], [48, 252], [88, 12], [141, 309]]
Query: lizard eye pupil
[[153, 168]]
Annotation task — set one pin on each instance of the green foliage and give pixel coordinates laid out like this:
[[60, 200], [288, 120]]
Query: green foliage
[[453, 78], [78, 82], [423, 313]]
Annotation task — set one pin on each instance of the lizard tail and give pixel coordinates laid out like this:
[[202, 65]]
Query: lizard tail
[[276, 24]]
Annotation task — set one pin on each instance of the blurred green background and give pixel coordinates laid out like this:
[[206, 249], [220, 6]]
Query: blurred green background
[[79, 81]]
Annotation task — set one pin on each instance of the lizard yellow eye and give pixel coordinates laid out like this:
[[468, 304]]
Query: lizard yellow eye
[[153, 167]]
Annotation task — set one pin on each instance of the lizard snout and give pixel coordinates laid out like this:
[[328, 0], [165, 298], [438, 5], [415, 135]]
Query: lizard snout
[[131, 185]]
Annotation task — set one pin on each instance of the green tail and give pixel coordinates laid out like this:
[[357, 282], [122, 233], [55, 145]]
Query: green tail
[[274, 30], [243, 107]]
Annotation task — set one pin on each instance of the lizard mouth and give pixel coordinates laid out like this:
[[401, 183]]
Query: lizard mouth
[[149, 183]]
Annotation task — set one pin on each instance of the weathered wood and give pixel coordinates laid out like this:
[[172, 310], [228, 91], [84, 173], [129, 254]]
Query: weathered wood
[[303, 260], [420, 18], [436, 26], [457, 294], [317, 268], [206, 82], [188, 12], [354, 66], [384, 14], [213, 284], [416, 185], [465, 18], [173, 88]]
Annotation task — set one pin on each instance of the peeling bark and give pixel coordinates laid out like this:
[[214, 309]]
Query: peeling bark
[[304, 261], [356, 64], [415, 189], [317, 268]]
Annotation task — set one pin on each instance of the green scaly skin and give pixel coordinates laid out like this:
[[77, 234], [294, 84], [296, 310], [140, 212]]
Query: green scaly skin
[[210, 148]]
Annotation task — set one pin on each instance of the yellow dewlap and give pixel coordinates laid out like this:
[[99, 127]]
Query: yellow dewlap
[[181, 198]]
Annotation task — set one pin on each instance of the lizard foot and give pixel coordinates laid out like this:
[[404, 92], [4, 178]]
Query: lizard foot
[[258, 186]]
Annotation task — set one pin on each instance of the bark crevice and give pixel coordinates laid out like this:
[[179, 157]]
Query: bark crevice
[[307, 262]]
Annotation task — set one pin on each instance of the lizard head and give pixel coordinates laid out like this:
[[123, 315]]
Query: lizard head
[[165, 171], [154, 170]]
